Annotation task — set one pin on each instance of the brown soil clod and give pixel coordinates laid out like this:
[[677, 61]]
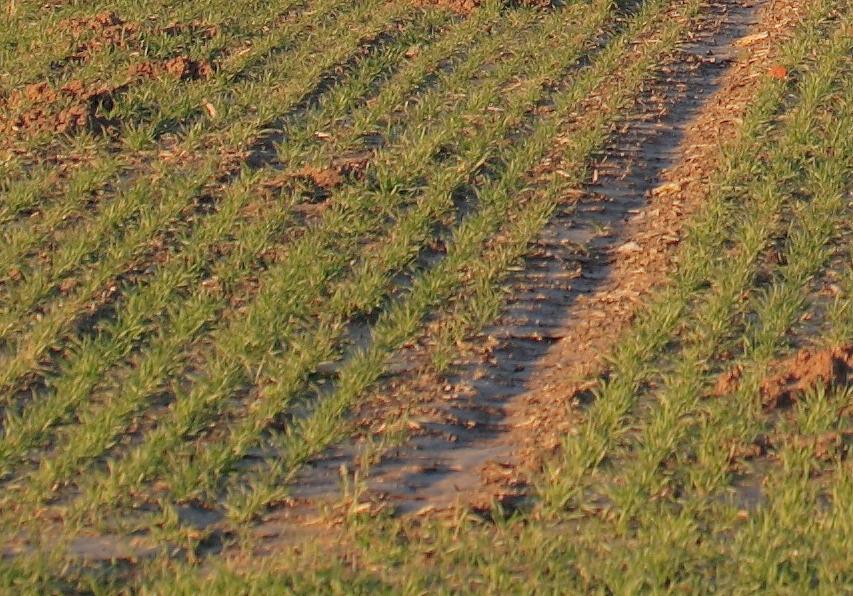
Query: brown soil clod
[[503, 478], [794, 376], [332, 176], [107, 30], [326, 178], [73, 107], [107, 19], [728, 382], [185, 68], [805, 371], [104, 30], [35, 93], [181, 67]]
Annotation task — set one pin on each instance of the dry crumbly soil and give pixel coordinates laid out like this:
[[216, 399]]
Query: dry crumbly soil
[[78, 105], [789, 379]]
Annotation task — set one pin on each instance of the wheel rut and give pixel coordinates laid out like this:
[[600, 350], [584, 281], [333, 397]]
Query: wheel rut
[[472, 434], [566, 302]]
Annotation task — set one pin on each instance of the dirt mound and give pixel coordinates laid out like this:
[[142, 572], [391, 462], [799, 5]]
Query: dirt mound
[[325, 178], [728, 382], [805, 370], [100, 22], [45, 109], [35, 93], [181, 67], [794, 376], [332, 176], [105, 30], [827, 446]]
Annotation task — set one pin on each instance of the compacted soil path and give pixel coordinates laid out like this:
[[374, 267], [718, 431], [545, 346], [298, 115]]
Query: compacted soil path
[[475, 432]]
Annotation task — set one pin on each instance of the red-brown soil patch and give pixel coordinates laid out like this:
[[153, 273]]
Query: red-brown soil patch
[[827, 446], [182, 68], [329, 177], [35, 93], [326, 178], [335, 174], [107, 30], [103, 30], [42, 108], [759, 447], [794, 376], [804, 371], [103, 21], [728, 382]]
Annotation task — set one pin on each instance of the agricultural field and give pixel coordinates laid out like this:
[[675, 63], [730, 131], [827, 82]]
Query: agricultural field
[[414, 296]]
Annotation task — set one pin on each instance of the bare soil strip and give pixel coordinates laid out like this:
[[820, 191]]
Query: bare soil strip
[[476, 432]]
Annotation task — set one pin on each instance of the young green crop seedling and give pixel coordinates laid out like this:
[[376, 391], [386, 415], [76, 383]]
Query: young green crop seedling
[[234, 231]]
